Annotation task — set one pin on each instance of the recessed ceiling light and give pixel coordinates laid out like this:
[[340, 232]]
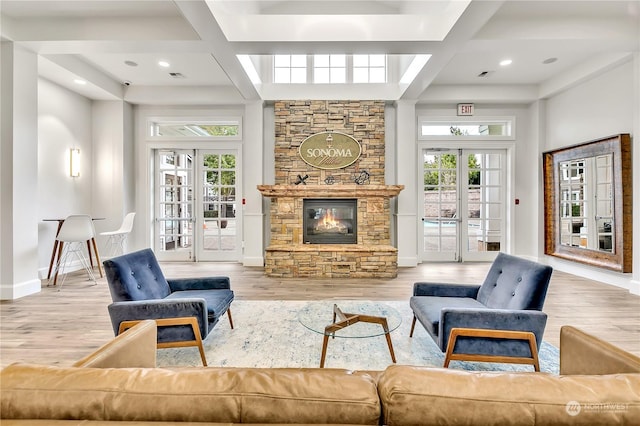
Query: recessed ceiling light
[[505, 62], [164, 64], [549, 60], [131, 63], [79, 81]]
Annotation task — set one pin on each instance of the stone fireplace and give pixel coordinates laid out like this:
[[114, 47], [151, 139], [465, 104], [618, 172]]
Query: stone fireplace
[[372, 255], [329, 221], [304, 241]]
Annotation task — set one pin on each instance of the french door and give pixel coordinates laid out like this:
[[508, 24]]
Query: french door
[[463, 204], [195, 205]]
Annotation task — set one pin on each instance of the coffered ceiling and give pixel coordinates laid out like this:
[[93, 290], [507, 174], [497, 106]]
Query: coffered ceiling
[[551, 44]]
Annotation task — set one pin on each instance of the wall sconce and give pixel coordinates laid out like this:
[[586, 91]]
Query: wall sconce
[[74, 162]]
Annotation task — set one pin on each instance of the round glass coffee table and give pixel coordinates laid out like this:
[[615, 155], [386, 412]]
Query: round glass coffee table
[[350, 319]]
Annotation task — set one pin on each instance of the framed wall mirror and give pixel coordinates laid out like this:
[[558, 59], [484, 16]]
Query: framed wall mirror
[[588, 203]]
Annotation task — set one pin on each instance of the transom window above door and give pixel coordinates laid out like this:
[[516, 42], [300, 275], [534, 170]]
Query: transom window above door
[[466, 128], [228, 128]]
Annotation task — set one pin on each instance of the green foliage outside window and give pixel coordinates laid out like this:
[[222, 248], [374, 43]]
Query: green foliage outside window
[[220, 130], [221, 174], [444, 173]]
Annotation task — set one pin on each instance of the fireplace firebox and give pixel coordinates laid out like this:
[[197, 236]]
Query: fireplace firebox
[[330, 221]]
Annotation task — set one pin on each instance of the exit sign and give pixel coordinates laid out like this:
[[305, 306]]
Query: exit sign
[[465, 109]]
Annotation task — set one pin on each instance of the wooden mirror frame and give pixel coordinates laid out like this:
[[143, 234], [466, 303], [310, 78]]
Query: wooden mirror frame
[[620, 259]]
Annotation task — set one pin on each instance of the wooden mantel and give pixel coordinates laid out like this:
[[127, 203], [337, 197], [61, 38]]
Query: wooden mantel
[[330, 191]]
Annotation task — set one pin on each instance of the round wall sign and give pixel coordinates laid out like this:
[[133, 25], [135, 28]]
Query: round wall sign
[[330, 150]]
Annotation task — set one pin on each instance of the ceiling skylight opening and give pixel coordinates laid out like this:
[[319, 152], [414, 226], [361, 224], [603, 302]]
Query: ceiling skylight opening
[[164, 64], [80, 81], [416, 65], [506, 62], [249, 68]]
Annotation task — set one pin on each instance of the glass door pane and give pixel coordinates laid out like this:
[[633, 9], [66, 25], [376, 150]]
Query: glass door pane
[[219, 236], [440, 218], [463, 204], [483, 223], [174, 205]]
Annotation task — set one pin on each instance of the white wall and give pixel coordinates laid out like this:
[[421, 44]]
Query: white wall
[[252, 213], [19, 182], [64, 122], [406, 174], [108, 156], [602, 106]]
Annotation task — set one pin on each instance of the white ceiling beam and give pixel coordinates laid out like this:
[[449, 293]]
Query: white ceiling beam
[[89, 73], [328, 47], [472, 20], [447, 94], [122, 28], [80, 47], [561, 28], [203, 22], [171, 95]]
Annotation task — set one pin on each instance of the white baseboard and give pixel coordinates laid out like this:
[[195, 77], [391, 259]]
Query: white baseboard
[[407, 262], [253, 261], [634, 287], [18, 290]]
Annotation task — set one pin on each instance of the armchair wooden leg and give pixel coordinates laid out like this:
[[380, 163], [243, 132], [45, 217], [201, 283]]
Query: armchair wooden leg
[[168, 322], [229, 316], [413, 326], [492, 334]]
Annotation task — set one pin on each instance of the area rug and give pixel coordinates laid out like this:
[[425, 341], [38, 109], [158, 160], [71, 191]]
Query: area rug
[[269, 334]]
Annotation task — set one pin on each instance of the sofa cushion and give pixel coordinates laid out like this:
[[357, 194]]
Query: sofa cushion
[[428, 309], [437, 396], [136, 347], [17, 422], [582, 353], [231, 395]]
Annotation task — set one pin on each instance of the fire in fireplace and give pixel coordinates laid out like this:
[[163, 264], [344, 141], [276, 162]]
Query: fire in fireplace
[[330, 221]]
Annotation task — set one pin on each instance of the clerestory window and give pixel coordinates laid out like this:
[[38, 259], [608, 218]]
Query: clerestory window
[[329, 69], [290, 69], [369, 68]]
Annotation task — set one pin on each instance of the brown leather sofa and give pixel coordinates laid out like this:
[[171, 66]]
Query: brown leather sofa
[[119, 384]]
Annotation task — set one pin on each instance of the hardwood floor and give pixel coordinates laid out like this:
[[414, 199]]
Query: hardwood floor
[[58, 327]]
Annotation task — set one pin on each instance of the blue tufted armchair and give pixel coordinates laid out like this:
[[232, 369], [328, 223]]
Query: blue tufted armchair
[[500, 320], [186, 309]]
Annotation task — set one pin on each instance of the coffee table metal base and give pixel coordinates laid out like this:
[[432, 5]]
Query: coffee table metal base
[[344, 319]]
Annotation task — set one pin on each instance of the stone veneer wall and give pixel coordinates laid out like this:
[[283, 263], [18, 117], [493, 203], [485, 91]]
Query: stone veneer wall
[[287, 256], [297, 120]]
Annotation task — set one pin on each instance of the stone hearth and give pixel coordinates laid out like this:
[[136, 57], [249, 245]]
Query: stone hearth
[[371, 256]]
